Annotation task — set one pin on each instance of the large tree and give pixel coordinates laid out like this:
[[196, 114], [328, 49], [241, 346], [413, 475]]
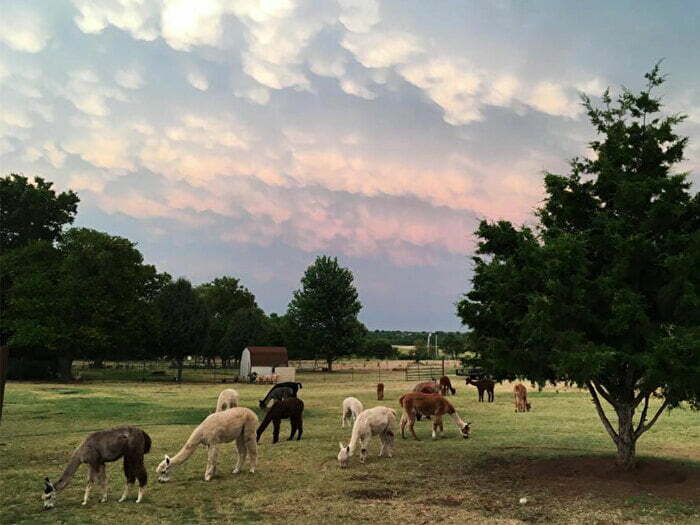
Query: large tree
[[90, 296], [605, 292], [32, 211], [184, 322], [325, 310]]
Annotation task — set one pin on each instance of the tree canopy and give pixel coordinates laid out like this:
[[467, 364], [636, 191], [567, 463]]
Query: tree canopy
[[605, 291], [324, 310]]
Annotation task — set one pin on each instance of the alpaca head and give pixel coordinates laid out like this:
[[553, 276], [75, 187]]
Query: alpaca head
[[528, 406], [49, 495], [465, 430], [453, 390], [163, 470], [344, 455], [262, 403]]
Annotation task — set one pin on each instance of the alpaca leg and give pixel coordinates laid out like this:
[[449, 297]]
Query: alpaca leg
[[364, 443], [276, 430], [92, 478], [411, 422], [435, 426], [252, 447], [389, 443], [211, 462], [293, 424], [300, 427], [125, 494], [143, 479], [242, 453], [404, 420], [102, 476]]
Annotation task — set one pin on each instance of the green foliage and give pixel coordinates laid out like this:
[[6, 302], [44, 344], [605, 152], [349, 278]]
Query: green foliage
[[31, 212], [184, 321], [606, 292], [88, 297], [323, 312], [377, 348]]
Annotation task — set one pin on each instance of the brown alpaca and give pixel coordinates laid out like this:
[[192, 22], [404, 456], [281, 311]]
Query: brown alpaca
[[427, 387], [380, 391], [291, 408], [482, 385], [414, 403], [520, 395], [446, 386], [102, 447]]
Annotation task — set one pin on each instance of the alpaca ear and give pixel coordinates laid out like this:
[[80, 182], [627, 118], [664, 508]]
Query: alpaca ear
[[341, 445], [167, 459]]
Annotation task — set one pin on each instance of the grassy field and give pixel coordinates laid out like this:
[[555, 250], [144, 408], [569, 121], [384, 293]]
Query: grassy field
[[557, 456]]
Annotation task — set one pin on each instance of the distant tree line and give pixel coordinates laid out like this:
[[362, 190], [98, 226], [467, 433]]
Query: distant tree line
[[71, 294]]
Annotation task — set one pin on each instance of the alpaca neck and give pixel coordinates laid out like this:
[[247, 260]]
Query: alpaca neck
[[457, 420], [187, 450], [70, 469], [355, 438]]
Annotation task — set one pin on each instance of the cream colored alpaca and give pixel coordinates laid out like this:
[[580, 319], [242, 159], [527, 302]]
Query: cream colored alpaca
[[227, 399], [351, 409], [377, 421], [235, 424]]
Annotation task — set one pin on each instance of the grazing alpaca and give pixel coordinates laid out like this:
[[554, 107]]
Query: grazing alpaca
[[102, 447], [414, 403], [227, 399], [377, 421], [482, 385], [276, 394], [427, 387], [291, 408], [294, 387], [520, 395], [235, 424], [446, 386], [351, 409], [380, 391]]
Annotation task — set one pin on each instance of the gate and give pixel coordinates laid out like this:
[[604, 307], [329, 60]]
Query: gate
[[422, 372]]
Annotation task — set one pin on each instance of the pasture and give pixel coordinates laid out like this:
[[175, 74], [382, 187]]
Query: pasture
[[557, 456]]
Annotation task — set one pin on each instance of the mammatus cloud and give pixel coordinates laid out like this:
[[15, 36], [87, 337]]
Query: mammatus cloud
[[377, 131], [23, 29]]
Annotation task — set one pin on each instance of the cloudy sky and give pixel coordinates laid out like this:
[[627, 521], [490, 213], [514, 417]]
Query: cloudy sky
[[245, 138]]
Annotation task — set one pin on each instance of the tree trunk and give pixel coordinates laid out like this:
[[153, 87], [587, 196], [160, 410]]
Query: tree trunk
[[627, 441], [65, 368], [330, 364], [179, 370]]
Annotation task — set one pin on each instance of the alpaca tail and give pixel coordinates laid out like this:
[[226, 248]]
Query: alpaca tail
[[146, 443], [70, 469]]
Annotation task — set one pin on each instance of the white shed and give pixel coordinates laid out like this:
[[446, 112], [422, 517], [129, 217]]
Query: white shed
[[263, 360]]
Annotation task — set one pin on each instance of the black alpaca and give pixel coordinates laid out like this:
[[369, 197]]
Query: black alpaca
[[290, 386], [291, 408], [482, 385]]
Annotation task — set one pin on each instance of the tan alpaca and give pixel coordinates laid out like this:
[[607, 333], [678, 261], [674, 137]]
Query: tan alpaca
[[351, 409], [377, 421], [227, 399], [235, 424]]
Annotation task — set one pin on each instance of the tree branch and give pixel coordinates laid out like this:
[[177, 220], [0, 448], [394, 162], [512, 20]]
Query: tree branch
[[601, 413], [643, 428], [603, 392], [643, 417]]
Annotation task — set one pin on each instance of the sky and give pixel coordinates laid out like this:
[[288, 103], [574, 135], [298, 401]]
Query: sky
[[246, 138]]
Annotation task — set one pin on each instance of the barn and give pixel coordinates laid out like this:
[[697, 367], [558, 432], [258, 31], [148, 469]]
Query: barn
[[264, 360]]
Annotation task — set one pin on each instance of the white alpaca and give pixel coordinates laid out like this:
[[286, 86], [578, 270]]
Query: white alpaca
[[227, 399], [377, 421], [351, 409], [235, 424]]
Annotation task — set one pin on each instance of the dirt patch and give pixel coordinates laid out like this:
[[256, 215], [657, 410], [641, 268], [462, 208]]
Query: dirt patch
[[365, 477], [375, 493], [449, 501], [569, 478]]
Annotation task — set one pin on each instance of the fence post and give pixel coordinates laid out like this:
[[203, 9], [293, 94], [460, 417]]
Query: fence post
[[4, 363]]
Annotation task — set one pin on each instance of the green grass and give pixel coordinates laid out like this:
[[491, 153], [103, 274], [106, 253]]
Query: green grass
[[451, 480]]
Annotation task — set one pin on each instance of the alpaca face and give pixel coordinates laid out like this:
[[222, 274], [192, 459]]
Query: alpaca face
[[163, 470], [465, 431], [344, 455], [49, 495], [528, 406]]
